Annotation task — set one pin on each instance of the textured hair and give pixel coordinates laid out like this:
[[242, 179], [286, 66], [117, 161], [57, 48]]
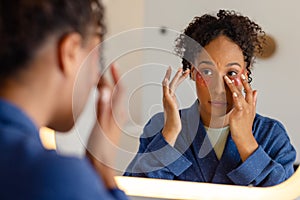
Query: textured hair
[[26, 24], [202, 30]]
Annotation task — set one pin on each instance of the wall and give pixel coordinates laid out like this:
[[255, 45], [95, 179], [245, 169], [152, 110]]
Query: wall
[[275, 79], [142, 71]]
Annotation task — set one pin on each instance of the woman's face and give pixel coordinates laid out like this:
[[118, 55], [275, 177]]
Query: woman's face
[[222, 57]]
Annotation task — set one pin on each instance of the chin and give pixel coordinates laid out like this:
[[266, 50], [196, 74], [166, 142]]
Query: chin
[[63, 126], [218, 115], [64, 129], [218, 112]]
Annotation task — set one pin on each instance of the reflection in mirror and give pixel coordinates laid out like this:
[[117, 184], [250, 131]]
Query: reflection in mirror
[[275, 78], [220, 138]]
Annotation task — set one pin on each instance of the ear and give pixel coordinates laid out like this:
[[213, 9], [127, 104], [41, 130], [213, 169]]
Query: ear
[[193, 73], [68, 52]]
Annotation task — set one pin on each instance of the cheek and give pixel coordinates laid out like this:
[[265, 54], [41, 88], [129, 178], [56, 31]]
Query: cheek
[[201, 81], [237, 80]]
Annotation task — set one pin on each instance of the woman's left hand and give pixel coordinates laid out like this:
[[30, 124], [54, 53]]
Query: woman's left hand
[[242, 116]]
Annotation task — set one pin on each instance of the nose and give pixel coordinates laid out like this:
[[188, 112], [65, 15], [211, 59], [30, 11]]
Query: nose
[[218, 86]]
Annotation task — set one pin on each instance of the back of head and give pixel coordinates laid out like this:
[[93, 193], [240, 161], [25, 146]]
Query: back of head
[[26, 24]]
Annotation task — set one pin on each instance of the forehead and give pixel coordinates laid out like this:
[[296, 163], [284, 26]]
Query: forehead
[[222, 51]]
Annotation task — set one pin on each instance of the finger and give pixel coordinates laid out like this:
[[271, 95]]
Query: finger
[[183, 76], [255, 97], [230, 112], [231, 86], [114, 73], [104, 110], [165, 82], [238, 98], [119, 90], [118, 93], [247, 89], [174, 81], [237, 102], [102, 83], [168, 75]]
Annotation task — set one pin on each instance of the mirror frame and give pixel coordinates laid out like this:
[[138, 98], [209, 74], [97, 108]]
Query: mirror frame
[[170, 189]]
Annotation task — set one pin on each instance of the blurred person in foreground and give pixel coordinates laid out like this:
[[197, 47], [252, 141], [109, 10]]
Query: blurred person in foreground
[[43, 46]]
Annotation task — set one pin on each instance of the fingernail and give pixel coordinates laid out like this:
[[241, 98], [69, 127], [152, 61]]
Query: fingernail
[[105, 95], [186, 71], [165, 82], [235, 94], [243, 77], [116, 64]]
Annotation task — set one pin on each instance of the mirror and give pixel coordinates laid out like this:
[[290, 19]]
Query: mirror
[[147, 188], [275, 78]]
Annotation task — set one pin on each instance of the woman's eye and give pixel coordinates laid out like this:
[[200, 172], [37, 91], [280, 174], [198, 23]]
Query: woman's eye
[[232, 73], [206, 72]]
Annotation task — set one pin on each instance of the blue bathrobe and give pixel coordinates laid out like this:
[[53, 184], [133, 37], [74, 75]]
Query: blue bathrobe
[[193, 159], [28, 171]]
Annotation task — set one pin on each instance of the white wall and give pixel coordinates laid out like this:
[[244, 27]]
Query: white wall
[[275, 79]]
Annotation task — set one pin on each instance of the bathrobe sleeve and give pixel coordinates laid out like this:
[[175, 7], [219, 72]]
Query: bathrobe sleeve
[[155, 157], [272, 162]]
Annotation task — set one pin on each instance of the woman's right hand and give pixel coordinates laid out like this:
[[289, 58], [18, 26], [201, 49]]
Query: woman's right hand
[[104, 139], [172, 125]]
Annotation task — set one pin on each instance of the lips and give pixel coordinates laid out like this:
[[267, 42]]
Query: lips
[[218, 103]]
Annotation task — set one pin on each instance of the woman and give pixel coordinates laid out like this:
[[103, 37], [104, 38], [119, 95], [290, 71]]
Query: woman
[[43, 45], [220, 138]]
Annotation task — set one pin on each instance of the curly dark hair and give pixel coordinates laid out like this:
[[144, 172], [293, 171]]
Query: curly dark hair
[[202, 30], [26, 24]]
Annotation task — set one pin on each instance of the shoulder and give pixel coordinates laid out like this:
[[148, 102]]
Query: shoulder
[[63, 166], [273, 138], [67, 177], [157, 120], [154, 125], [263, 122], [269, 131]]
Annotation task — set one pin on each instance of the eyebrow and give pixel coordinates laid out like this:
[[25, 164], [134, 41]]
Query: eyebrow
[[211, 63], [234, 63], [206, 62]]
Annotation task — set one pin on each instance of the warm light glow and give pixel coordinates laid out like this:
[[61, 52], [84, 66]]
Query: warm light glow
[[170, 189], [48, 138]]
